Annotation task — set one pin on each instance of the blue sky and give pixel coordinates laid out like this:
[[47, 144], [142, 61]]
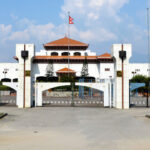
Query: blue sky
[[97, 22]]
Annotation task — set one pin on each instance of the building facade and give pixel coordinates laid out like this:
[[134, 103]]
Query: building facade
[[56, 53], [71, 58]]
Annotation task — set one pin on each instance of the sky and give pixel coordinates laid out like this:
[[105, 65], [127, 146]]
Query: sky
[[100, 23]]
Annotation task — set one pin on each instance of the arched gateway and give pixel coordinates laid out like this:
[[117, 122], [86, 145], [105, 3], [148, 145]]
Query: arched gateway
[[9, 96], [103, 87], [31, 66]]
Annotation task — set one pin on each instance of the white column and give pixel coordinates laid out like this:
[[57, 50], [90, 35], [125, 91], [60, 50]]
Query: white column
[[106, 95], [118, 80], [28, 81], [38, 95], [110, 99]]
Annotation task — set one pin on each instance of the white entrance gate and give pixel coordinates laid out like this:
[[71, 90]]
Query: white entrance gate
[[40, 87]]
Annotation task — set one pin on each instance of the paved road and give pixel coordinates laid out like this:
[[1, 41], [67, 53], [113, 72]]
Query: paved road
[[68, 128]]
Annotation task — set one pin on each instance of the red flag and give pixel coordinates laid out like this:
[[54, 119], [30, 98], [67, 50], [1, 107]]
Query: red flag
[[70, 20]]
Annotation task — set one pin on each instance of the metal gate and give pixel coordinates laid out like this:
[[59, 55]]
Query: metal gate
[[72, 95], [139, 95], [8, 97]]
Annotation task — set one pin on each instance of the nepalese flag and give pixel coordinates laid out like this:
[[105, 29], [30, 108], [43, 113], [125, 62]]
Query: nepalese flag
[[70, 20]]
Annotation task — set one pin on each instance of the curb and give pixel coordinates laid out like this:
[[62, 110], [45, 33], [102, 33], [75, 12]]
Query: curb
[[3, 115], [148, 116]]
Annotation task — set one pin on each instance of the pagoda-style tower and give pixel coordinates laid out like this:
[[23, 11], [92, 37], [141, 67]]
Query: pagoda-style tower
[[65, 44]]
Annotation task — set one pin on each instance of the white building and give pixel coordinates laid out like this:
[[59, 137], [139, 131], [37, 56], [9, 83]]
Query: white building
[[56, 52], [69, 57]]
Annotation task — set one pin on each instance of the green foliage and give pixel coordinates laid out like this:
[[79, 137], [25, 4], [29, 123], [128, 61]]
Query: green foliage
[[62, 88], [66, 78], [47, 79], [139, 79], [4, 88]]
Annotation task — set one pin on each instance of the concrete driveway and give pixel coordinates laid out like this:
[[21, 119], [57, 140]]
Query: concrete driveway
[[74, 128]]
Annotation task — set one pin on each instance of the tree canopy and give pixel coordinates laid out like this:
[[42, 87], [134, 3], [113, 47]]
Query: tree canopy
[[140, 79]]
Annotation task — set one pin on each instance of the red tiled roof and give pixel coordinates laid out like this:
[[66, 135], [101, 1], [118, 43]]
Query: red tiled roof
[[65, 70], [65, 57], [105, 55], [64, 42]]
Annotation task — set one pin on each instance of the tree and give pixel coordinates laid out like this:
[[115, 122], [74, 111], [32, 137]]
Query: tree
[[66, 78], [49, 70], [142, 79], [139, 79], [84, 72]]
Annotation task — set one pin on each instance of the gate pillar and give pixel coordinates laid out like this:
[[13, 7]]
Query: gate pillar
[[121, 54], [38, 94], [25, 53]]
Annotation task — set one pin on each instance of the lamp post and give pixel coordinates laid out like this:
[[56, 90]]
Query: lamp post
[[24, 55], [133, 72]]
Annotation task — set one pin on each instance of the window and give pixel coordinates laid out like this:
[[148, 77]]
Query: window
[[107, 69], [137, 70], [65, 54], [77, 54], [54, 54]]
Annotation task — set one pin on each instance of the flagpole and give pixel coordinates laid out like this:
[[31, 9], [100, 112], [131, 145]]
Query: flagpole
[[148, 42], [148, 49], [68, 43]]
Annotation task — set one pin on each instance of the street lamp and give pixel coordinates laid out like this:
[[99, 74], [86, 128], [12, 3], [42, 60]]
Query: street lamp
[[133, 72], [5, 72]]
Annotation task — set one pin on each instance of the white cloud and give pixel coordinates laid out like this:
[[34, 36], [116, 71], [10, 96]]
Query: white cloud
[[93, 8], [30, 32], [87, 35], [24, 22], [19, 36], [96, 17], [93, 16], [95, 35], [97, 22], [40, 34], [96, 3], [5, 30]]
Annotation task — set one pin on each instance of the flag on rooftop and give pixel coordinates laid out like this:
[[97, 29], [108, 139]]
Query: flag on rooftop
[[71, 20]]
